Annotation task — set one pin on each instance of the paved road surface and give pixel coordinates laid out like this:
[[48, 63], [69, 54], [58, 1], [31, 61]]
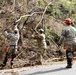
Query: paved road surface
[[58, 69]]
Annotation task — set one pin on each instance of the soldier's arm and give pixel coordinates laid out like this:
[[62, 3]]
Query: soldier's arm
[[61, 40], [63, 35], [16, 28], [8, 35]]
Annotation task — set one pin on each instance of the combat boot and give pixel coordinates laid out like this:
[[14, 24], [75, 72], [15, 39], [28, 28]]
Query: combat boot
[[2, 66], [11, 63], [69, 66]]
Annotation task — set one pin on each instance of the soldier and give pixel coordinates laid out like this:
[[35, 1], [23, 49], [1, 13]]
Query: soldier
[[10, 50], [40, 37], [69, 34]]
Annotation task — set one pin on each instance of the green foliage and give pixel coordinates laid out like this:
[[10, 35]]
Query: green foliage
[[74, 16], [11, 19], [55, 37], [51, 35], [50, 10], [2, 37], [40, 3], [23, 19], [48, 31], [62, 9], [1, 2], [68, 6]]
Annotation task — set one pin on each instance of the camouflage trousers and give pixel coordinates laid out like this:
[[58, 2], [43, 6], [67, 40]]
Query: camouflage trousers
[[69, 56], [70, 53], [42, 53], [10, 54]]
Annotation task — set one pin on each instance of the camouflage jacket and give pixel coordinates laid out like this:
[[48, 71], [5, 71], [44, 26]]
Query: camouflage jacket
[[69, 34]]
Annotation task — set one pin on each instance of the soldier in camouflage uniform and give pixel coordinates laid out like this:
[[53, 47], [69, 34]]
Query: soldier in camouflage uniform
[[11, 50], [68, 33], [42, 46]]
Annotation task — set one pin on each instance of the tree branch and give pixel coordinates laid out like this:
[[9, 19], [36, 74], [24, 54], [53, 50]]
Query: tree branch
[[28, 15], [43, 15]]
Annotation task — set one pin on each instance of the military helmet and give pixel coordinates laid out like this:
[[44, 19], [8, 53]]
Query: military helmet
[[68, 21]]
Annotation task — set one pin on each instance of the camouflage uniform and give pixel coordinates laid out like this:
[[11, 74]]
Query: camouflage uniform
[[13, 41], [68, 34], [42, 43], [42, 46]]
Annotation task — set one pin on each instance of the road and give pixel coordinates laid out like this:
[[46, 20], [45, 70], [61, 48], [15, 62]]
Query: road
[[51, 69], [58, 69]]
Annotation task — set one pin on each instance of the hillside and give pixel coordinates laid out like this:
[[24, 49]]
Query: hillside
[[31, 14]]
